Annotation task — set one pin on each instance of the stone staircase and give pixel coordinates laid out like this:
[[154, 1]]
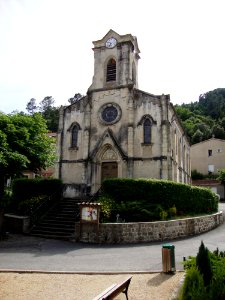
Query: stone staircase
[[59, 221]]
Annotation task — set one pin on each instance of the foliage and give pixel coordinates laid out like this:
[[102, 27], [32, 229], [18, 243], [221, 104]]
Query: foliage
[[26, 207], [107, 206], [32, 106], [152, 199], [172, 211], [213, 266], [24, 188], [75, 98], [217, 288], [24, 144], [48, 111], [204, 265], [193, 288], [28, 194], [205, 118], [196, 175], [221, 175]]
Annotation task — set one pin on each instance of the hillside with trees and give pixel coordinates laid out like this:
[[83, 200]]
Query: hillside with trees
[[48, 110], [204, 118]]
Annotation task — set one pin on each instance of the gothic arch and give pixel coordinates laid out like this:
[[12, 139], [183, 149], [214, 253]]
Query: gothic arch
[[72, 125], [74, 129], [107, 153], [145, 117]]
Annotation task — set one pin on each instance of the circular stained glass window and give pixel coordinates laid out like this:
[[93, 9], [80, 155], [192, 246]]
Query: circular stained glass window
[[110, 113]]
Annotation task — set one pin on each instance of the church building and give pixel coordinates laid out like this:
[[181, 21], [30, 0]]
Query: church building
[[117, 130]]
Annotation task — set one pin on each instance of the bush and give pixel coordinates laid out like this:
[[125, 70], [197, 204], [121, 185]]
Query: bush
[[203, 264], [26, 193], [27, 207], [193, 288], [211, 267], [196, 175], [24, 188], [171, 196]]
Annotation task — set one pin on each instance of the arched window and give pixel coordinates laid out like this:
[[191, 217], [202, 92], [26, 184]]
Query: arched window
[[74, 136], [147, 131], [111, 70]]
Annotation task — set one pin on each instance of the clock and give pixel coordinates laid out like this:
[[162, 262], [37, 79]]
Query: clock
[[111, 42], [109, 113]]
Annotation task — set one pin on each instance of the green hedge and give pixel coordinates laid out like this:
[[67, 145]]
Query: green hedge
[[24, 188], [186, 198]]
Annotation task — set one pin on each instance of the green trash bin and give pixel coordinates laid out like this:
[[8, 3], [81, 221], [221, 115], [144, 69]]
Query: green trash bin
[[168, 258]]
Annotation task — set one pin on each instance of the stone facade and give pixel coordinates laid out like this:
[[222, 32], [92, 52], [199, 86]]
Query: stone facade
[[117, 130], [207, 157], [147, 231]]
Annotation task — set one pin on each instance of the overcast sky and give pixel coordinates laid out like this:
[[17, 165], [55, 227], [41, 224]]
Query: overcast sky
[[46, 46]]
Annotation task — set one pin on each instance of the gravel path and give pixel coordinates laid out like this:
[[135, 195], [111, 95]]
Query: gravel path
[[35, 286]]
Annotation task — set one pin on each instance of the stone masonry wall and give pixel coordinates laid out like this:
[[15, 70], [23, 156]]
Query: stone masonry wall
[[146, 231]]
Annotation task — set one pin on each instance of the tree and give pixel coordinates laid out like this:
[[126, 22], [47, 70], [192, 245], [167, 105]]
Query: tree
[[197, 137], [46, 103], [24, 144], [204, 265], [31, 106], [50, 113], [206, 116], [75, 98], [218, 131]]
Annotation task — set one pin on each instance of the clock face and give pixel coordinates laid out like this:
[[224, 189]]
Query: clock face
[[110, 113], [111, 42]]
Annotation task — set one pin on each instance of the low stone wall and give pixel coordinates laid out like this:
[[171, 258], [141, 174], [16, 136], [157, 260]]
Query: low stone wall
[[146, 231], [16, 224]]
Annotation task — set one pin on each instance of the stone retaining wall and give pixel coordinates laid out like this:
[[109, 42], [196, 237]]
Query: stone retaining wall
[[146, 231]]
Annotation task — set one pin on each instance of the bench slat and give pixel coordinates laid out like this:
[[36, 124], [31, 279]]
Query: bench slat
[[119, 288], [99, 297]]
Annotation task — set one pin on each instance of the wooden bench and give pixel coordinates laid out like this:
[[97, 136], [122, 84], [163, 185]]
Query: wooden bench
[[114, 290]]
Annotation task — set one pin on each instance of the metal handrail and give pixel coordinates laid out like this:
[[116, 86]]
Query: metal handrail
[[38, 212]]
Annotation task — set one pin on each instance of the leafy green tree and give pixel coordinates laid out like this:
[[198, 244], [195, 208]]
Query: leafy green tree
[[24, 144], [197, 137], [207, 115], [218, 131]]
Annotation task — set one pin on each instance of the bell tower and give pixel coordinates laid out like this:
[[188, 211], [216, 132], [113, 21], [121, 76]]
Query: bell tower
[[115, 62]]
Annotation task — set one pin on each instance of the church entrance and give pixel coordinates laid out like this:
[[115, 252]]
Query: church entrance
[[109, 170]]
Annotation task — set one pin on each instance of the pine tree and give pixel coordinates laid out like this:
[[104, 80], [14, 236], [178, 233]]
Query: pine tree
[[204, 265]]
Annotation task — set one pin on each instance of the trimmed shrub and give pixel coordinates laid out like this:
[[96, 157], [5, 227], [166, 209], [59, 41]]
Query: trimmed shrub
[[186, 198], [193, 288]]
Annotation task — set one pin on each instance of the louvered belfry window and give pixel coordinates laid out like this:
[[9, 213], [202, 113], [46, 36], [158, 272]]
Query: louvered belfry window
[[111, 70]]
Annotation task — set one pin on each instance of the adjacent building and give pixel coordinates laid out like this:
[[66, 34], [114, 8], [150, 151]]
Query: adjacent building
[[118, 130], [207, 157]]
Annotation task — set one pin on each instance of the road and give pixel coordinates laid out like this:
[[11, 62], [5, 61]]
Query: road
[[21, 252]]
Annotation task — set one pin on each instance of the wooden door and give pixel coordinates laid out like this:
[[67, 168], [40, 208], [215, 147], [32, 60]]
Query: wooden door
[[109, 170]]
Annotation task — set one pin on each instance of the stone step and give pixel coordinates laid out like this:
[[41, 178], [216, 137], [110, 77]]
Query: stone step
[[52, 229], [56, 236], [59, 222]]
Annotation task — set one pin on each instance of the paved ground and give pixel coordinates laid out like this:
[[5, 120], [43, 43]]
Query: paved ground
[[30, 253]]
